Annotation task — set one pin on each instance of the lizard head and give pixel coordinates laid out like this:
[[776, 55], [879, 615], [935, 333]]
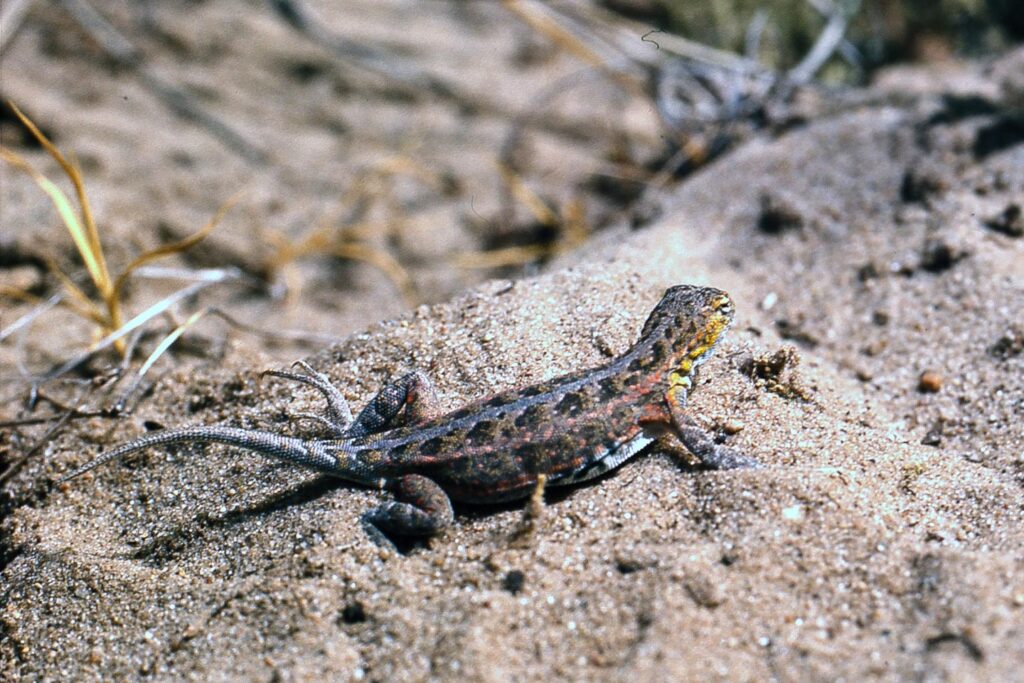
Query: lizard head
[[686, 325]]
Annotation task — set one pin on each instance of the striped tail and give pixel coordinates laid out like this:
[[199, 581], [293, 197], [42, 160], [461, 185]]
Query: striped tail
[[310, 454]]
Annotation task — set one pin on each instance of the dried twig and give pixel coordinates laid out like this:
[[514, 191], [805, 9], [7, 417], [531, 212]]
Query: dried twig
[[11, 15], [14, 466], [291, 336], [825, 46], [121, 50], [397, 71]]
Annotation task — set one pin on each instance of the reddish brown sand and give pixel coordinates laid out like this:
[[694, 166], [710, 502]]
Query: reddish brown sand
[[883, 539]]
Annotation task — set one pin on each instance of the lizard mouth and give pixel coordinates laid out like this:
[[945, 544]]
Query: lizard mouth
[[723, 306]]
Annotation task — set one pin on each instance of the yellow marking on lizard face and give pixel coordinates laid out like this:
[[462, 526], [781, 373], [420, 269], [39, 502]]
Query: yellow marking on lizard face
[[708, 335], [680, 378]]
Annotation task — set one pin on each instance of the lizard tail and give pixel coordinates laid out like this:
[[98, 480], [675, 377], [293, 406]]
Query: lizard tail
[[310, 454]]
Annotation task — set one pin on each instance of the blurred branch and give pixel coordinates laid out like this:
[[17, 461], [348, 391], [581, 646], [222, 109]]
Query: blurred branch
[[402, 72], [121, 50], [828, 41], [11, 16]]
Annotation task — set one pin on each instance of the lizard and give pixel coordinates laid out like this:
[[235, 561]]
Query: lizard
[[563, 431]]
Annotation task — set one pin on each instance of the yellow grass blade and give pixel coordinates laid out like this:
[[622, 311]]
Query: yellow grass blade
[[19, 294], [383, 261], [78, 301], [168, 340], [67, 213], [176, 247], [541, 211], [499, 258], [92, 249]]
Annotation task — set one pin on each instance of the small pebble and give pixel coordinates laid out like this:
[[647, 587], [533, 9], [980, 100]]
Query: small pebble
[[733, 427], [930, 382]]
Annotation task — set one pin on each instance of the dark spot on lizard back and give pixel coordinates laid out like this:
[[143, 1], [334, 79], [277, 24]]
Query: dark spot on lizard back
[[570, 405], [483, 431], [401, 450], [534, 390], [659, 352], [611, 387], [529, 454], [532, 416], [461, 413], [432, 446]]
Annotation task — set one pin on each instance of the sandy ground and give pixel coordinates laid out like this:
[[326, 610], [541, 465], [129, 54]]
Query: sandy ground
[[883, 539]]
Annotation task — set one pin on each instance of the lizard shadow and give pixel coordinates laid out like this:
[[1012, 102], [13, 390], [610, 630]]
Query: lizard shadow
[[283, 499], [173, 543], [176, 542]]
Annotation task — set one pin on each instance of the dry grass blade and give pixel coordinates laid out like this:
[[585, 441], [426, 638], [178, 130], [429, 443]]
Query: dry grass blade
[[383, 261], [176, 247], [92, 261], [82, 227], [539, 18], [27, 319], [160, 349], [86, 236], [78, 301], [324, 241], [19, 295], [542, 213], [501, 258], [571, 224], [118, 334], [169, 340], [82, 230]]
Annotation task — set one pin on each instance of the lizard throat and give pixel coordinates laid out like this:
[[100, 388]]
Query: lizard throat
[[698, 350]]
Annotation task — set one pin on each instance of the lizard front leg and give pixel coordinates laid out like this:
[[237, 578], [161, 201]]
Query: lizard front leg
[[421, 508], [711, 454], [696, 440], [407, 400]]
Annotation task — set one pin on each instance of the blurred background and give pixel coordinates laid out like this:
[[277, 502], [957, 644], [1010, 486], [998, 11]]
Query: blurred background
[[363, 158]]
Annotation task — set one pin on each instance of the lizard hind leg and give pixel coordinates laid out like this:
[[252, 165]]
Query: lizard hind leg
[[339, 415], [407, 400], [421, 508]]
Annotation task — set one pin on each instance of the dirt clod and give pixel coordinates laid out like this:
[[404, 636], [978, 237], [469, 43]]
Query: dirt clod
[[930, 382], [777, 372]]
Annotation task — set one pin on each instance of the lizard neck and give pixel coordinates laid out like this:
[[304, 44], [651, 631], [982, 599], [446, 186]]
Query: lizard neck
[[675, 346]]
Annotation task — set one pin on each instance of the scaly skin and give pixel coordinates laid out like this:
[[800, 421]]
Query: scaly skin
[[569, 429]]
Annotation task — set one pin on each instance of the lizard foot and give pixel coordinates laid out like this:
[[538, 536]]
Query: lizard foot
[[407, 400], [339, 415], [712, 455], [422, 509]]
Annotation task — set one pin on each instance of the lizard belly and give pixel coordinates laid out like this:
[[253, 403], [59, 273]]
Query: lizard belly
[[606, 462], [501, 477]]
